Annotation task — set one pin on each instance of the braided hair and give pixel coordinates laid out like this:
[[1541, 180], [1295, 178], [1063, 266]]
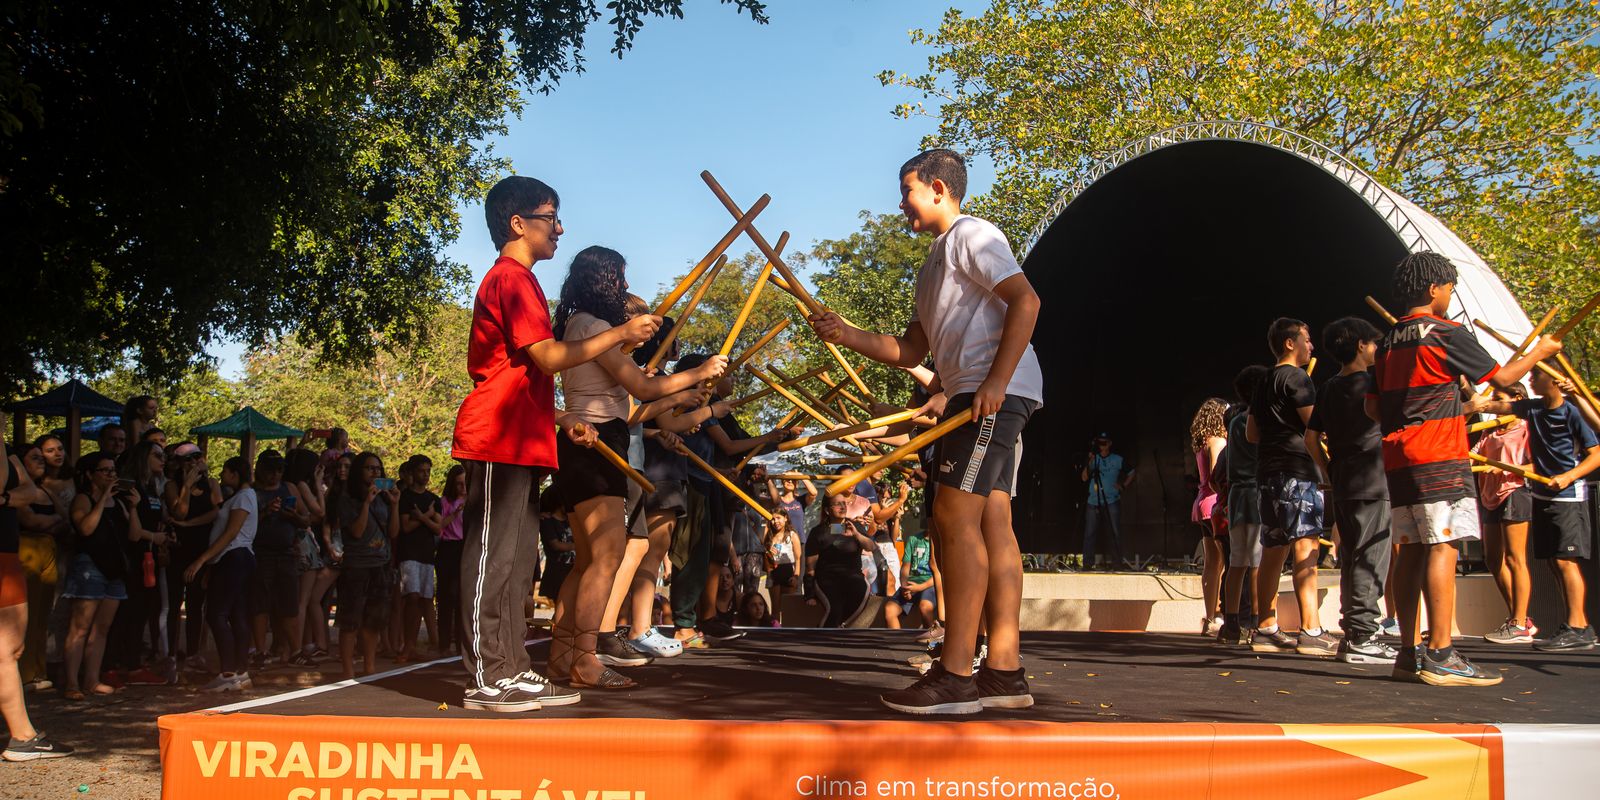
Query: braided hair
[[595, 285], [1416, 274]]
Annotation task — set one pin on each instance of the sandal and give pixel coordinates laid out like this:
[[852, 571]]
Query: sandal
[[109, 690], [75, 695], [609, 679]]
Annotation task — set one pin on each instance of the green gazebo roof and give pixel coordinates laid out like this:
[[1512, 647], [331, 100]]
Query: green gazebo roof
[[246, 420], [73, 394]]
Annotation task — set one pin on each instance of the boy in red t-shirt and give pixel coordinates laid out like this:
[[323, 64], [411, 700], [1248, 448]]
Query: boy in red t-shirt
[[505, 435], [1419, 368]]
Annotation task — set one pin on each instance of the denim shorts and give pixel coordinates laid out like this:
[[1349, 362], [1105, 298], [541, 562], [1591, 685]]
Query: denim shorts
[[85, 581]]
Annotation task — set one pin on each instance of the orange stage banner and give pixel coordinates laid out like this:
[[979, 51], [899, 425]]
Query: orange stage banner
[[265, 757]]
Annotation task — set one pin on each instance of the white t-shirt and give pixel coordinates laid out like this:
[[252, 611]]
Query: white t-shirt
[[587, 389], [243, 500], [961, 314]]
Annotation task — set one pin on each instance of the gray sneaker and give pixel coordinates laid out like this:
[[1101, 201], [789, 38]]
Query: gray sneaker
[[1567, 638], [1275, 642], [1323, 644], [1371, 650], [1510, 632]]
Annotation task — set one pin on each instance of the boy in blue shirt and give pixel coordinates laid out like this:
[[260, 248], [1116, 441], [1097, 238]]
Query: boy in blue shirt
[[1103, 471], [1565, 449]]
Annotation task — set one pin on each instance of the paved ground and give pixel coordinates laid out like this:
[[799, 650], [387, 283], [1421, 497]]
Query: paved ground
[[838, 674]]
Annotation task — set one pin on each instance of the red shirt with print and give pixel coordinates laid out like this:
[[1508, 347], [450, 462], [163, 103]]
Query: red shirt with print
[[510, 415]]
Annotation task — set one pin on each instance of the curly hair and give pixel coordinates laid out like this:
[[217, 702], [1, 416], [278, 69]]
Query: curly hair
[[1208, 422], [595, 285], [1416, 274]]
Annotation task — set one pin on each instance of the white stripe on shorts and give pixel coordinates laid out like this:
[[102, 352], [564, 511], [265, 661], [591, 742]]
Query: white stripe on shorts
[[980, 448]]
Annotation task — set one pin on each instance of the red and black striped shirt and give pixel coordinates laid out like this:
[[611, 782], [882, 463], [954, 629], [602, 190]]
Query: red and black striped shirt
[[1420, 363]]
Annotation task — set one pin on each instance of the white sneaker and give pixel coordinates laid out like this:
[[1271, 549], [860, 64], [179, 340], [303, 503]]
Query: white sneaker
[[653, 643], [228, 682], [242, 681]]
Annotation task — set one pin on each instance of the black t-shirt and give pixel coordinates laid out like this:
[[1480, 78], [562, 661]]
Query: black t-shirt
[[1355, 444], [275, 530], [105, 545], [421, 543], [838, 555], [1242, 464], [554, 530], [1276, 407]]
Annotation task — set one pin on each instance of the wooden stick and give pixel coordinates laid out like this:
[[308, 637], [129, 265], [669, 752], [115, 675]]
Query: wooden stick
[[801, 476], [790, 396], [726, 484], [700, 268], [833, 462], [921, 440], [838, 356], [1312, 366], [1484, 326], [766, 339], [843, 390], [804, 441], [804, 393], [620, 463], [1482, 468], [683, 319], [1492, 424], [750, 302], [1511, 468], [1577, 380], [1534, 334], [761, 244], [1566, 328], [1382, 312], [769, 390]]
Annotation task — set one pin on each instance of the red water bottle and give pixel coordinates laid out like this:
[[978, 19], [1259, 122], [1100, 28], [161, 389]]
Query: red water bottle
[[149, 569]]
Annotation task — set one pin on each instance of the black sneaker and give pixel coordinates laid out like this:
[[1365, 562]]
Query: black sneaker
[[549, 694], [34, 749], [1407, 664], [719, 630], [937, 692], [615, 651], [1228, 634], [505, 696], [1454, 670], [1275, 642], [1003, 688], [1567, 638], [302, 659]]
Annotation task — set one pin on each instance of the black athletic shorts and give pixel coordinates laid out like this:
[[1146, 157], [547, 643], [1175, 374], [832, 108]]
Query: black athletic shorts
[[1518, 507], [981, 457], [669, 496], [584, 474], [1560, 530], [275, 586]]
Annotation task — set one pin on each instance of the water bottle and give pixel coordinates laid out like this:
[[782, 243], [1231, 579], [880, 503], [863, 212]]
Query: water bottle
[[149, 569]]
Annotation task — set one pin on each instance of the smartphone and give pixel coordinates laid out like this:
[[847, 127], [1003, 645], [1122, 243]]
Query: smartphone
[[125, 485], [288, 502], [383, 484]]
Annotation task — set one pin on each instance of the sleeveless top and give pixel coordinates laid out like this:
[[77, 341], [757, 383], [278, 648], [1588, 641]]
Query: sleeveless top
[[1205, 499], [785, 550]]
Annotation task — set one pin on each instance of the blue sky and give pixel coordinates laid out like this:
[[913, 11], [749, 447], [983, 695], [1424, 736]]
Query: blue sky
[[792, 108]]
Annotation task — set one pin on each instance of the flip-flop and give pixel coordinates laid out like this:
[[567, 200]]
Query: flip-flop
[[609, 679]]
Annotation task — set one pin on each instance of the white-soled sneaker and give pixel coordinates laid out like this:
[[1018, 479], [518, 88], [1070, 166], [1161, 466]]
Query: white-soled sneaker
[[505, 697], [550, 694]]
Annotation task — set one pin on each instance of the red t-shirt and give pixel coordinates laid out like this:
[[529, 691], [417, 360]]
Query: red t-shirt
[[1419, 364], [509, 417]]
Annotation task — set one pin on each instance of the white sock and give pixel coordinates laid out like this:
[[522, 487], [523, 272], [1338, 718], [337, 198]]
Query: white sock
[[1269, 630], [1313, 631]]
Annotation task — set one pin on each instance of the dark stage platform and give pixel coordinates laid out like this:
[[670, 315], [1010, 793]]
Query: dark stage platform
[[1076, 677]]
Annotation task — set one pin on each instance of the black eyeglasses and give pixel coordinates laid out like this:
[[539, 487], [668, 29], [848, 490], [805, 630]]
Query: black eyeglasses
[[550, 218]]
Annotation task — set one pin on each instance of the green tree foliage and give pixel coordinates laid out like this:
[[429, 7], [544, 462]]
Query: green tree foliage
[[400, 402], [172, 173], [1484, 112]]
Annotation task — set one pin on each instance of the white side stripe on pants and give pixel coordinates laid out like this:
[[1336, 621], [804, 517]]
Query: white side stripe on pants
[[979, 450], [483, 566]]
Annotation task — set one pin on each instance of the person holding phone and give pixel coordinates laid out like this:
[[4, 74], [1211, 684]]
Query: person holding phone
[[833, 562], [103, 519], [369, 522], [229, 560]]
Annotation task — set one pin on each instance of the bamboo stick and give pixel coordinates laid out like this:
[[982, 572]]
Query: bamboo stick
[[1484, 326], [834, 462], [683, 319], [766, 339], [1312, 366], [739, 227], [769, 390], [1511, 468], [750, 302], [1566, 328], [726, 484], [1382, 312], [921, 440], [1491, 424], [804, 393], [620, 463], [838, 356], [1534, 334], [761, 244], [1577, 380], [804, 441], [790, 396], [843, 390]]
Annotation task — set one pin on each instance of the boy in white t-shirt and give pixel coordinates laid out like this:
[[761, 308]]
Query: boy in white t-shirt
[[975, 312]]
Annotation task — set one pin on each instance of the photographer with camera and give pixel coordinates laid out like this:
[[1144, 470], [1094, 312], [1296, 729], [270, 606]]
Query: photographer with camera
[[1107, 475]]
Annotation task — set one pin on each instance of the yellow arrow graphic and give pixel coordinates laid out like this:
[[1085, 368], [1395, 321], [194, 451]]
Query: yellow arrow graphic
[[1448, 767]]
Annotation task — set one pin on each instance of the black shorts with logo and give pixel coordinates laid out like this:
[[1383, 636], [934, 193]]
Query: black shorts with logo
[[981, 457], [1518, 507], [584, 474], [1560, 530]]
